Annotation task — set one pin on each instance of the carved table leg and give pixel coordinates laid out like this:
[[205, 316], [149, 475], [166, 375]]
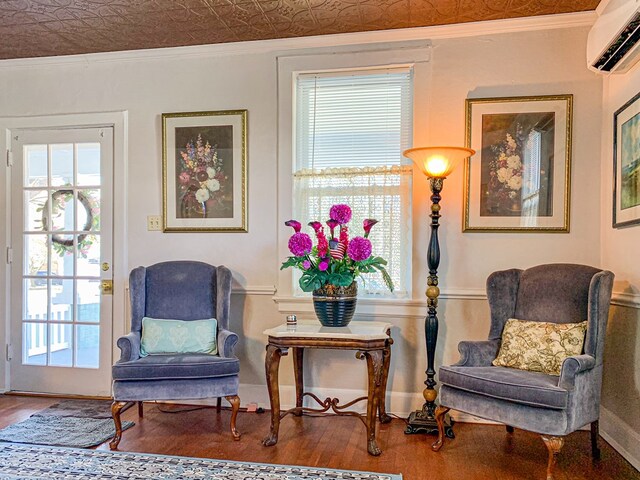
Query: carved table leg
[[116, 408], [298, 371], [375, 367], [440, 416], [272, 364], [234, 400], [382, 411], [595, 433], [554, 444]]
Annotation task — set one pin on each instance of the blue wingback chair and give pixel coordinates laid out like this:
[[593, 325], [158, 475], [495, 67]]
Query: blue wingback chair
[[179, 290], [552, 406]]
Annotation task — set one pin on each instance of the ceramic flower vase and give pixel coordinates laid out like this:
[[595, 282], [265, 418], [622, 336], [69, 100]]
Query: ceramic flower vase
[[334, 305]]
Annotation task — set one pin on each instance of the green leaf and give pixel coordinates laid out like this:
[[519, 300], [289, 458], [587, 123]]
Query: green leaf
[[310, 282], [290, 262], [341, 279], [386, 277]]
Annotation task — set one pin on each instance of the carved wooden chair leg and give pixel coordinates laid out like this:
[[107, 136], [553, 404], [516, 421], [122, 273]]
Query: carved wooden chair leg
[[219, 404], [509, 428], [554, 444], [140, 410], [116, 408], [595, 434], [440, 413], [234, 400]]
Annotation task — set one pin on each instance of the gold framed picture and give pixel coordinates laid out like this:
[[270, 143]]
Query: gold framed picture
[[204, 170], [519, 180]]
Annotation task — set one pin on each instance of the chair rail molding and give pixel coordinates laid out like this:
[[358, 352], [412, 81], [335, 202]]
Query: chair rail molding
[[625, 299]]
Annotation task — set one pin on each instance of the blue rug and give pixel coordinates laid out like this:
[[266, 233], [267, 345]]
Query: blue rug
[[33, 462]]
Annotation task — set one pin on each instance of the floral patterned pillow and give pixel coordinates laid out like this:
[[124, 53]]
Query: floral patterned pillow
[[539, 346]]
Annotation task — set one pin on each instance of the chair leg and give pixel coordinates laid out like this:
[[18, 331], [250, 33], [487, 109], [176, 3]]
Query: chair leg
[[554, 444], [234, 400], [116, 408], [595, 434], [440, 413], [509, 428], [140, 410], [219, 405]]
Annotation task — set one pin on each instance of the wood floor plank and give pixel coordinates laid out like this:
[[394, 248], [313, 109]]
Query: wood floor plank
[[479, 452]]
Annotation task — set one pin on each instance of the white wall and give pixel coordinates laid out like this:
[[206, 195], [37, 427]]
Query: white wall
[[619, 249], [505, 64]]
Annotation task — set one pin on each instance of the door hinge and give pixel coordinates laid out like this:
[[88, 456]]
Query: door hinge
[[9, 352], [9, 158], [9, 255]]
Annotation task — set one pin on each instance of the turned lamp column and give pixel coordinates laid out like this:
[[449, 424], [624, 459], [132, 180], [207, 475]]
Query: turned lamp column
[[436, 163]]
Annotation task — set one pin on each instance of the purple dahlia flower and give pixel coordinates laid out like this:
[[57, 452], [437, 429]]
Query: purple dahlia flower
[[359, 249], [300, 244], [340, 213]]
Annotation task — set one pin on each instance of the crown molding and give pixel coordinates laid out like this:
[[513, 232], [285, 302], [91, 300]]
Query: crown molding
[[282, 45]]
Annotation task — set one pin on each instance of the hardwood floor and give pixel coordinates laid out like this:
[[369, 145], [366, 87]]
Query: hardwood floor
[[479, 452]]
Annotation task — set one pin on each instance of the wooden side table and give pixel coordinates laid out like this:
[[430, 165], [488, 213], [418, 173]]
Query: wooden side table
[[371, 340]]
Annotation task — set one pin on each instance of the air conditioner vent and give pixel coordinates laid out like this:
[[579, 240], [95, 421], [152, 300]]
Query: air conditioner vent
[[622, 45]]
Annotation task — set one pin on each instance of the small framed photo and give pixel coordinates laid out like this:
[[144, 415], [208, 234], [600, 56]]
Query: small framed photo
[[204, 170], [626, 164], [519, 180]]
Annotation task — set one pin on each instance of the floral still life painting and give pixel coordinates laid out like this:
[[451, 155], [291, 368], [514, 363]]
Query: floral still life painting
[[626, 156], [337, 259], [519, 179], [204, 170]]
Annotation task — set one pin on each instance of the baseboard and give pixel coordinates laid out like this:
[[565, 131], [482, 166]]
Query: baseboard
[[620, 436]]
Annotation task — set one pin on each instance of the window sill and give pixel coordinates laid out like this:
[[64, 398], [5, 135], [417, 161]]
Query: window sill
[[378, 307]]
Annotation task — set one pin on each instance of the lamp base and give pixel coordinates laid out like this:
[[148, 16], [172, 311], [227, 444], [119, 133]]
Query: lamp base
[[424, 421]]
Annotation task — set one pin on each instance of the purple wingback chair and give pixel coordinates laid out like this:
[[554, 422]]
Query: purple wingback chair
[[552, 406], [179, 290]]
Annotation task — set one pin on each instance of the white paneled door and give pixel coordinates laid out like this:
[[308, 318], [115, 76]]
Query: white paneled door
[[61, 253]]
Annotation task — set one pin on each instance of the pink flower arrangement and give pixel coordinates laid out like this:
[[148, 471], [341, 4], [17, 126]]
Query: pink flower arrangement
[[335, 261]]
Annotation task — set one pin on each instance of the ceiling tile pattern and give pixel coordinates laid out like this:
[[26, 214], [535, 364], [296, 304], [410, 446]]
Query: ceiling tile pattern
[[35, 28]]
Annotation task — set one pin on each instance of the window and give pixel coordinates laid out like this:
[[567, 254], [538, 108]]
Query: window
[[350, 131]]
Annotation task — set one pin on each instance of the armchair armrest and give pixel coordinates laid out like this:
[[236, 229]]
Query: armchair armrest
[[477, 354], [226, 343], [129, 346], [572, 366]]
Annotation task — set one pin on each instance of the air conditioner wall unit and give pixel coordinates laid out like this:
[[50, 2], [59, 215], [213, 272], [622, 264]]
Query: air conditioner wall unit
[[613, 45]]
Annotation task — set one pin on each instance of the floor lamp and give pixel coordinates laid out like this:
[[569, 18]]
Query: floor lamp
[[436, 163]]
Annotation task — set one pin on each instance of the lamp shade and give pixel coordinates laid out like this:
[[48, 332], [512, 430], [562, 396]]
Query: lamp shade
[[437, 162]]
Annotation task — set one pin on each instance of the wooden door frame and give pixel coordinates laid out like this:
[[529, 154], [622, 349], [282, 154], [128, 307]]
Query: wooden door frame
[[119, 122]]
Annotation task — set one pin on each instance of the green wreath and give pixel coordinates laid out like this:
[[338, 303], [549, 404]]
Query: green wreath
[[61, 242]]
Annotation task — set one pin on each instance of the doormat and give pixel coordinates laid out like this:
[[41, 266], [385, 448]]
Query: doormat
[[70, 423], [38, 462]]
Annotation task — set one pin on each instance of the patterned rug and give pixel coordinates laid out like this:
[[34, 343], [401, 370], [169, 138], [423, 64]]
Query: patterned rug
[[70, 423], [39, 462]]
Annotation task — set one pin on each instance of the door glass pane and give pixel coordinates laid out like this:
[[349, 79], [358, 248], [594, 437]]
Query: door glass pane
[[60, 345], [35, 162], [61, 300], [35, 299], [62, 207], [88, 208], [88, 346], [88, 301], [34, 204], [35, 255], [61, 256], [89, 255], [34, 343], [88, 164], [62, 164]]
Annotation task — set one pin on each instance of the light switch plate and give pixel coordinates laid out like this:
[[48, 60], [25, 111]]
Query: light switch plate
[[154, 223]]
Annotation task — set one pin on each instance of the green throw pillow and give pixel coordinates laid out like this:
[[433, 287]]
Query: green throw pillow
[[163, 336], [539, 346]]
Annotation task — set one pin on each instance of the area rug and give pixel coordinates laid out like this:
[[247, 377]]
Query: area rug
[[70, 423], [39, 462]]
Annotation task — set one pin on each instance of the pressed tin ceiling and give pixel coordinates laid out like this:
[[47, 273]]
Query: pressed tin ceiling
[[37, 28]]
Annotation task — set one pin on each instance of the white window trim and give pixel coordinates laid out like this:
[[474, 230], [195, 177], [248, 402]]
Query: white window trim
[[327, 61]]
